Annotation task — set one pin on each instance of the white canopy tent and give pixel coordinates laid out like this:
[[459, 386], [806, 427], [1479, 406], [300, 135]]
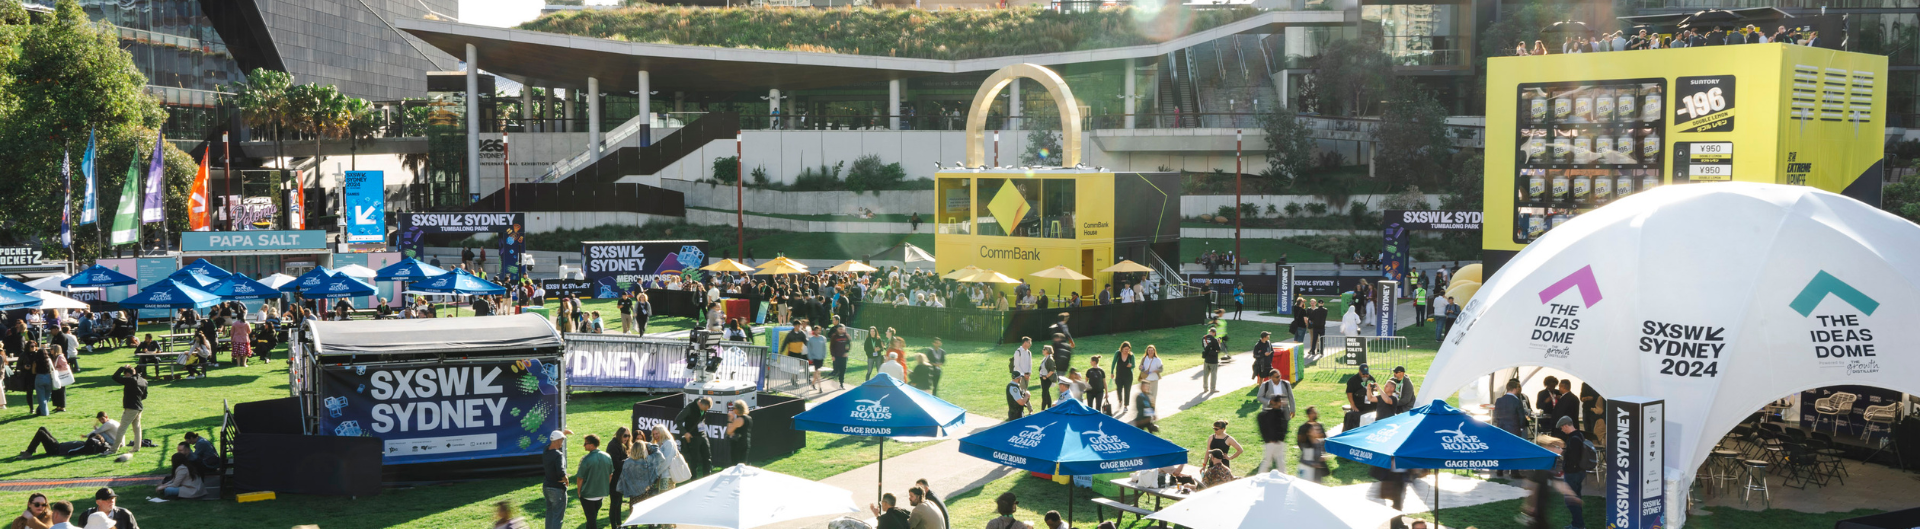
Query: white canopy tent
[[1717, 297]]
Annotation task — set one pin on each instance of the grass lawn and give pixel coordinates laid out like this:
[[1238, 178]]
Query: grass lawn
[[1257, 250]]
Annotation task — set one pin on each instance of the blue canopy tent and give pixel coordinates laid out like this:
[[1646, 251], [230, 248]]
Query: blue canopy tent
[[308, 280], [98, 276], [1442, 437], [170, 294], [10, 300], [207, 269], [409, 269], [865, 411], [237, 286], [1074, 440], [339, 286], [193, 279], [8, 284], [458, 282]]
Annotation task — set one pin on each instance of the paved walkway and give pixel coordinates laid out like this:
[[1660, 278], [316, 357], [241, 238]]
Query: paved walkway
[[949, 472], [21, 485]]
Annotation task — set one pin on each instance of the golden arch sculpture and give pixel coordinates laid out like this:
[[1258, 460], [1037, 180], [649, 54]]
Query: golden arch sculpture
[[983, 100]]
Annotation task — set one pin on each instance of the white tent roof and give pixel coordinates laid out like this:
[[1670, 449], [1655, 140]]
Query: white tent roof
[[358, 271], [52, 282], [1716, 297], [276, 280], [914, 254], [50, 300]]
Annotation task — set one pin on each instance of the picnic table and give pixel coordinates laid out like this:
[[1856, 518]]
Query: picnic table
[[1140, 491], [157, 361]]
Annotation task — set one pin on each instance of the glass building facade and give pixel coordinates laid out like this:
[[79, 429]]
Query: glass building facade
[[186, 63]]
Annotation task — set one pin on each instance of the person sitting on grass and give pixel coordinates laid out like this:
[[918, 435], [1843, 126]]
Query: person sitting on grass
[[185, 483], [96, 442], [203, 453]]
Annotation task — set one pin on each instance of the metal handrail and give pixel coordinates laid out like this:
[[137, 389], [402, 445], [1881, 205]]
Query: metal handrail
[[610, 139]]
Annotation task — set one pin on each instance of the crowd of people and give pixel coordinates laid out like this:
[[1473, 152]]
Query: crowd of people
[[1683, 38]]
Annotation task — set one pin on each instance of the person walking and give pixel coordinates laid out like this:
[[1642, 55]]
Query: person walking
[[1318, 328], [1311, 440], [1574, 461], [1150, 370], [1273, 434], [1449, 313], [1210, 358], [936, 359], [1097, 386], [132, 404], [1046, 375], [554, 485], [1143, 405], [873, 345], [1262, 355], [617, 451], [626, 313], [839, 343], [642, 311], [594, 481], [1122, 376]]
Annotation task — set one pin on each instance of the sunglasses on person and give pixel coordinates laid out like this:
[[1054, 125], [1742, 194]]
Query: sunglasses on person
[[38, 504]]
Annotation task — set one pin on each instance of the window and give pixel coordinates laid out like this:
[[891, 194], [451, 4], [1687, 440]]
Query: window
[[955, 208], [1042, 207]]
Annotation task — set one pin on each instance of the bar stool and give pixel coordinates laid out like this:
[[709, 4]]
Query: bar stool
[[1723, 470], [1757, 480]]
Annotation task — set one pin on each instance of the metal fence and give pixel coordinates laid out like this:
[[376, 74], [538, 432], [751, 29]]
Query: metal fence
[[624, 362], [931, 322]]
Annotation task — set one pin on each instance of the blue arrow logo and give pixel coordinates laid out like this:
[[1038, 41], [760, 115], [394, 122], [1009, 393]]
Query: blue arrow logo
[[1824, 283]]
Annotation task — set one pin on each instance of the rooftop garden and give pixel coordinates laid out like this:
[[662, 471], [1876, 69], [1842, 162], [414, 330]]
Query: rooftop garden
[[943, 34]]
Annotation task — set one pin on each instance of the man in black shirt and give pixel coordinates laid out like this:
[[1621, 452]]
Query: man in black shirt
[[1017, 402], [103, 501], [131, 407], [1210, 361], [1359, 397], [554, 484], [1262, 355], [1318, 327], [626, 313], [693, 444], [890, 516], [1273, 435]]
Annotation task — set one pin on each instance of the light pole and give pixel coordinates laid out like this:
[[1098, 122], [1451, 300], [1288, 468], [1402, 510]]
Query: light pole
[[739, 192], [228, 199], [506, 165], [1236, 201]]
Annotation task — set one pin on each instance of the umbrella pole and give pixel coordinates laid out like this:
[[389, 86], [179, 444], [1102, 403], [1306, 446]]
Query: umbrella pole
[[1436, 498], [880, 479], [1069, 501]]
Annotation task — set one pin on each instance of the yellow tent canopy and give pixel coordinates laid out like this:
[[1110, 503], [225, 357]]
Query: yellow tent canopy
[[727, 265], [1060, 272], [1126, 266], [852, 266], [962, 273]]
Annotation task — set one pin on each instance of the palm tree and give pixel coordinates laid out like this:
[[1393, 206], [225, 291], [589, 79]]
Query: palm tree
[[362, 122], [263, 102]]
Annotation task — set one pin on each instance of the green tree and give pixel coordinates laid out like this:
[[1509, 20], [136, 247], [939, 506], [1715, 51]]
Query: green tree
[[263, 105], [1043, 149], [1289, 146], [63, 78], [1350, 75], [1411, 144], [1902, 199], [868, 174], [726, 169]]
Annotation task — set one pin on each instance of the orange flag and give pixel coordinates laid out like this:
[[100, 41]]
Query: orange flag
[[298, 213], [197, 199]]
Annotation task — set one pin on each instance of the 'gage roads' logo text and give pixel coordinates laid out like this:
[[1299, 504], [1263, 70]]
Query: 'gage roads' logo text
[[872, 410], [1031, 436]]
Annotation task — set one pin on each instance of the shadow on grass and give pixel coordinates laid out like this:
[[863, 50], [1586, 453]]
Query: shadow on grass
[[402, 507]]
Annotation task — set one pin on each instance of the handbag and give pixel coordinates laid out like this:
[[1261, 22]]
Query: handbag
[[678, 469]]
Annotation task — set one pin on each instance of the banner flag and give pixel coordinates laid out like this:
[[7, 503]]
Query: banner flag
[[66, 200], [126, 220], [155, 206], [89, 213], [297, 214], [197, 199]]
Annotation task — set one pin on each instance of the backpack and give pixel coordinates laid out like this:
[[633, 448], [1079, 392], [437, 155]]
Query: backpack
[[1592, 461]]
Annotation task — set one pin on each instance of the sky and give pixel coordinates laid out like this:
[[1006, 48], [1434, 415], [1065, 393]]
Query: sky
[[499, 13]]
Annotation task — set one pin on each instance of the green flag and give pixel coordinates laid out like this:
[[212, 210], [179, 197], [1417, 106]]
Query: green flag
[[126, 220]]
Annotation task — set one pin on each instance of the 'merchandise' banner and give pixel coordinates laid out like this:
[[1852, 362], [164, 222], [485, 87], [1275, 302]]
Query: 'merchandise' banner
[[446, 413]]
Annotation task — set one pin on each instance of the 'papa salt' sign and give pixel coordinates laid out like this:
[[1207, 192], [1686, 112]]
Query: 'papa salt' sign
[[234, 241]]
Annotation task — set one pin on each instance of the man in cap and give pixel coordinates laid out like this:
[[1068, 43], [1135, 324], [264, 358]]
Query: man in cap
[[554, 485], [1403, 390], [103, 501]]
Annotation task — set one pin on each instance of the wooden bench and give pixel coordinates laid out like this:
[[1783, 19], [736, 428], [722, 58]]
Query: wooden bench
[[1099, 505], [158, 361]]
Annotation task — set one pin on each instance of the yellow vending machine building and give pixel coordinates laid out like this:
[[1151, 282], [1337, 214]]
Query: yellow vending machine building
[[1570, 133], [1018, 222]]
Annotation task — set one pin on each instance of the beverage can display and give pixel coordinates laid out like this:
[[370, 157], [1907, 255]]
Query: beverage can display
[[1624, 145], [1583, 108], [1560, 187], [1602, 188], [1623, 186], [1562, 150], [1650, 109], [1562, 108], [1649, 181], [1558, 220], [1536, 186], [1536, 226], [1534, 148], [1537, 105], [1582, 188], [1602, 107], [1582, 150], [1625, 106], [1603, 147], [1650, 147]]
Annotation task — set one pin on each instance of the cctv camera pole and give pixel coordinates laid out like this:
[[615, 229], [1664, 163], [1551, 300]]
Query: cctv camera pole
[[1236, 201], [739, 194]]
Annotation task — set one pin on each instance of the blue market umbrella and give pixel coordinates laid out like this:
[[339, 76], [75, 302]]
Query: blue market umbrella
[[458, 282], [408, 270], [208, 269], [1439, 436], [8, 284], [170, 294], [882, 407], [193, 279], [10, 300], [312, 278], [237, 286], [98, 276], [339, 286], [1074, 440]]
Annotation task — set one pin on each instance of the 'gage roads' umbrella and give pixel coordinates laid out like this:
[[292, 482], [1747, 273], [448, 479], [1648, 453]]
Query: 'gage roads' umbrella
[[98, 276], [882, 407], [207, 269], [1073, 440], [1438, 436]]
